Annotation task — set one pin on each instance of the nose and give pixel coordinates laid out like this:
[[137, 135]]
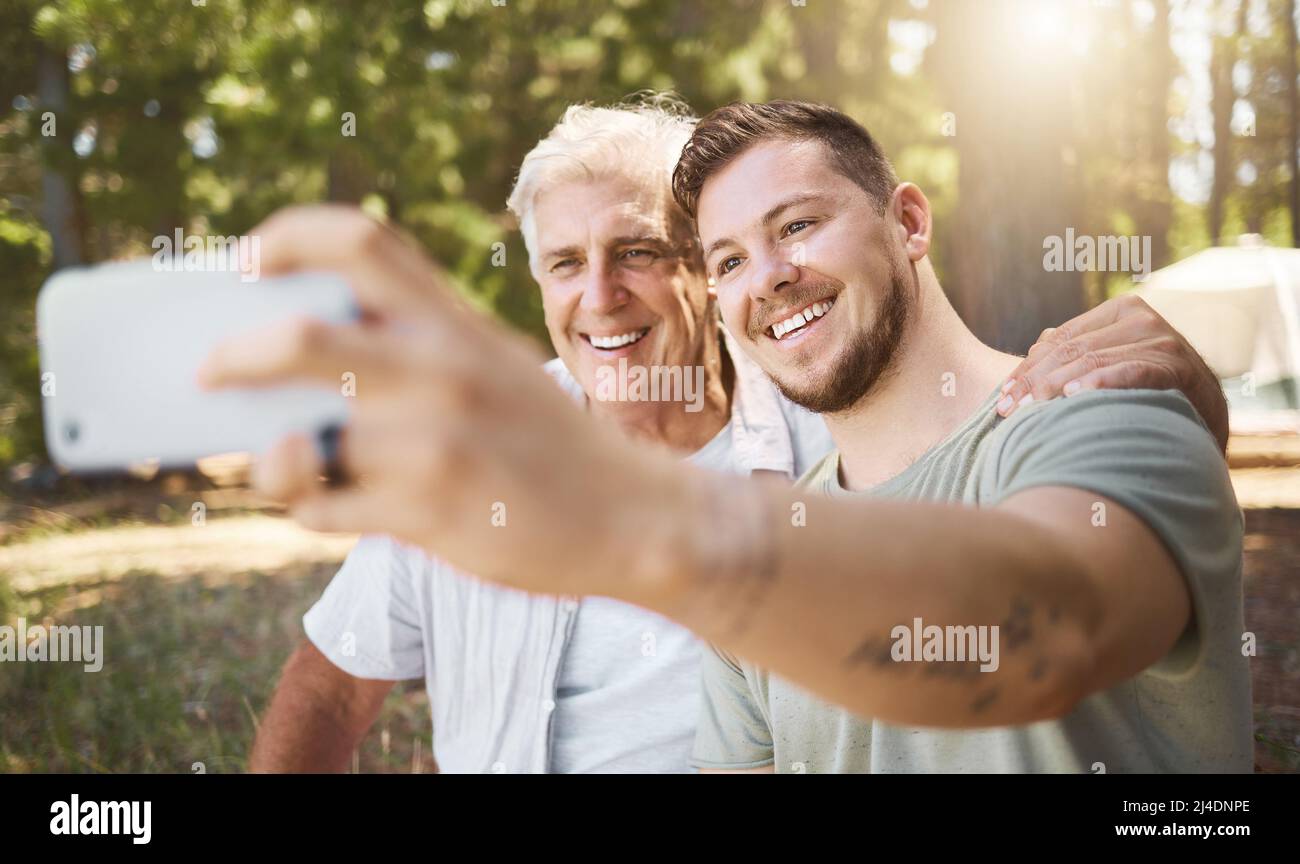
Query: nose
[[604, 291], [770, 272]]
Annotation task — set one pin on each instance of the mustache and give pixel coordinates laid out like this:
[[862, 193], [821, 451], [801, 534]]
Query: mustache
[[792, 300]]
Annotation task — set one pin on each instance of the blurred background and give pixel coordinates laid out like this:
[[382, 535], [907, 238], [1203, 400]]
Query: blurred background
[[1173, 121]]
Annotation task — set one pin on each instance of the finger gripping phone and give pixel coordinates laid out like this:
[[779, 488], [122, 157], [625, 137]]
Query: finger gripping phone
[[120, 347]]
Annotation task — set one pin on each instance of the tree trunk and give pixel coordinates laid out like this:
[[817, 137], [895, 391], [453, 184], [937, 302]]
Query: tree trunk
[[1017, 176], [347, 182], [1222, 96], [1293, 103], [61, 206], [1160, 214]]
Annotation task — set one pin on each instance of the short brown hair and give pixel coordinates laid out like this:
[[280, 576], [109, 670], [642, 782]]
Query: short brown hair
[[727, 132]]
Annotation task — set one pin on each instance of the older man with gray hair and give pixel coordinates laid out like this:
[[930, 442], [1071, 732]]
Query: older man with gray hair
[[527, 683]]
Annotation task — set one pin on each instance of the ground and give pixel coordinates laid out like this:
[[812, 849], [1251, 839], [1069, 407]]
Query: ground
[[1272, 595], [207, 613], [206, 616]]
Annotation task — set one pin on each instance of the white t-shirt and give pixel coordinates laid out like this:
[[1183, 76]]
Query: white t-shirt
[[628, 693]]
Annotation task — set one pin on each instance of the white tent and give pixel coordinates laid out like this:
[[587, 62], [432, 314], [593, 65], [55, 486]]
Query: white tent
[[1240, 307]]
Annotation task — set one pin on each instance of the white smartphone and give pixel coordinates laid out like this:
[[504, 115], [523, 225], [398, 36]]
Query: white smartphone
[[120, 347]]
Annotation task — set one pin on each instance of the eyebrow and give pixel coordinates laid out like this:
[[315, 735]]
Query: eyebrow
[[768, 218], [627, 240], [643, 240], [563, 252]]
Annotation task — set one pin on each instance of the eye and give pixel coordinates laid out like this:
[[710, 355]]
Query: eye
[[726, 265], [796, 226], [639, 257], [564, 264]]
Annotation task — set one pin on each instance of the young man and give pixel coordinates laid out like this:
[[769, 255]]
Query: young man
[[1126, 653], [429, 619]]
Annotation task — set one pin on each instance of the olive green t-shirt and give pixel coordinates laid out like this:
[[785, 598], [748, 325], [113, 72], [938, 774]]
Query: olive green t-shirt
[[1190, 712]]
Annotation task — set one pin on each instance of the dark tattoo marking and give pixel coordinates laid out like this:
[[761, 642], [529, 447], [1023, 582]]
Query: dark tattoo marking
[[1016, 630], [984, 700], [876, 651]]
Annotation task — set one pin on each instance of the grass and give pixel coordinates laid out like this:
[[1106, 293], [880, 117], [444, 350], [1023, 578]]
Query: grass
[[188, 667], [190, 663]]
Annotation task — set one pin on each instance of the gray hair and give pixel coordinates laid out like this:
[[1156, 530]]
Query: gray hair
[[639, 139]]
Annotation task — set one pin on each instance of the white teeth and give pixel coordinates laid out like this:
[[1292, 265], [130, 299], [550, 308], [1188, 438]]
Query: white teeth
[[799, 319], [618, 341]]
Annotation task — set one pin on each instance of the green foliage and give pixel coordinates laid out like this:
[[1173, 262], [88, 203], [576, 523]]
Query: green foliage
[[211, 117], [24, 261]]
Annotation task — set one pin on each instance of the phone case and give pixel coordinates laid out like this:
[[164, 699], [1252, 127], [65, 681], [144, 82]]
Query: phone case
[[120, 346]]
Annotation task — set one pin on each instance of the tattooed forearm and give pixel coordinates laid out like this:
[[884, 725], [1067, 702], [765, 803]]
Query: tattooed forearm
[[958, 653]]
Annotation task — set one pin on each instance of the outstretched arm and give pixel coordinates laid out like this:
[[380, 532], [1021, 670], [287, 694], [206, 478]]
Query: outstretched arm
[[454, 424]]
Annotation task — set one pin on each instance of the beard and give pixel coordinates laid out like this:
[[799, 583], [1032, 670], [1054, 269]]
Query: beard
[[864, 362]]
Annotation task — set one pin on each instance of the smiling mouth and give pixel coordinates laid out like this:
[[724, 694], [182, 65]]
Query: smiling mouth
[[800, 320], [617, 340]]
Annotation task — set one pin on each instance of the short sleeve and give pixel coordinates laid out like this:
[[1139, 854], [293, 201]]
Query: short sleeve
[[1148, 451], [368, 622], [732, 731]]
